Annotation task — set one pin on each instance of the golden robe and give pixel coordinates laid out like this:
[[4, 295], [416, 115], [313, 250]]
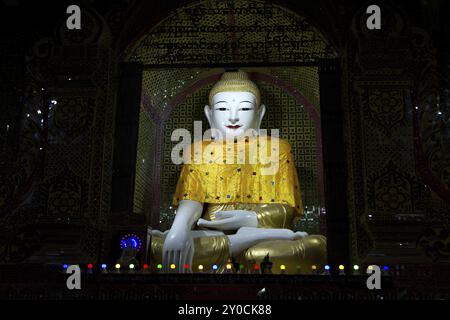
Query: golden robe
[[256, 170]]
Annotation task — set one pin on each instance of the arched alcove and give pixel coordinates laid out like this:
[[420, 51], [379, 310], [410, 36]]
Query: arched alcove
[[177, 61]]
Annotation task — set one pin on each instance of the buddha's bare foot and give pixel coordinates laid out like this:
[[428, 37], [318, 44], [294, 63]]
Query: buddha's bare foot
[[267, 234], [247, 237], [300, 235]]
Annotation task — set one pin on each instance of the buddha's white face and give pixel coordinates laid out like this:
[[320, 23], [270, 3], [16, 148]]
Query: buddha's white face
[[233, 113]]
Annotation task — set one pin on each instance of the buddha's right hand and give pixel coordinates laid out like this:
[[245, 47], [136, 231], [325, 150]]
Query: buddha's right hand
[[178, 250]]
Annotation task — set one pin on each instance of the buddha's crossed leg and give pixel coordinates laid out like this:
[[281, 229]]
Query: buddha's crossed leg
[[214, 247]]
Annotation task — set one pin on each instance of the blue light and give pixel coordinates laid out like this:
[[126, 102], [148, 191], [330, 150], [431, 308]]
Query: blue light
[[215, 267], [385, 268], [65, 266], [131, 241], [103, 266], [327, 267]]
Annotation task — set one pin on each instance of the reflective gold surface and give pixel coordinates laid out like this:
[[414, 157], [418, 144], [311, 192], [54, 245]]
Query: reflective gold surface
[[297, 256]]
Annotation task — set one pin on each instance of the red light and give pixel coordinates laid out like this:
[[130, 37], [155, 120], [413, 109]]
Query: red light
[[186, 266], [145, 266], [90, 266], [256, 267]]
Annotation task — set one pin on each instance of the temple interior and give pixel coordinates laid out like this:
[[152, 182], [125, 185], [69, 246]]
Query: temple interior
[[88, 115]]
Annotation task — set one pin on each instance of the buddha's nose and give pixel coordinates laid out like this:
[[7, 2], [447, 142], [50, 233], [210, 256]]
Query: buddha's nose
[[233, 116]]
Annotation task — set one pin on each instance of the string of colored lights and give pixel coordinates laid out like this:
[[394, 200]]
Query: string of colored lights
[[228, 268]]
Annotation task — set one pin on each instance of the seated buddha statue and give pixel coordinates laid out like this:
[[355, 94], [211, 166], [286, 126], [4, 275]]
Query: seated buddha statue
[[234, 202]]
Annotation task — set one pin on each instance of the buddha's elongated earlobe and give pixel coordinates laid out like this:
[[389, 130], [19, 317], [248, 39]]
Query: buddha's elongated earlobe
[[208, 114], [261, 113]]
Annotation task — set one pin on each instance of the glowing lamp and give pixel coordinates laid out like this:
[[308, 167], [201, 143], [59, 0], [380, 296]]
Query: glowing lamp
[[131, 241]]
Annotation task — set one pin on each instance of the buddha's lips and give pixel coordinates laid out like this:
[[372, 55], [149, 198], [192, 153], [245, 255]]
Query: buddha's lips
[[233, 127]]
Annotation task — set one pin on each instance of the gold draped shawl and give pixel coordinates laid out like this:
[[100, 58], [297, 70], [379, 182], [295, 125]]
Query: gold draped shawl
[[255, 170]]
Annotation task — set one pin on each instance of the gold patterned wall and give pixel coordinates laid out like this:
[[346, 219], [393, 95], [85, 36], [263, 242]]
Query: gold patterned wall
[[231, 31], [144, 160]]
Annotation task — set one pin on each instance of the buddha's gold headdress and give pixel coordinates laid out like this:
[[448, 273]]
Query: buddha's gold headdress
[[235, 81]]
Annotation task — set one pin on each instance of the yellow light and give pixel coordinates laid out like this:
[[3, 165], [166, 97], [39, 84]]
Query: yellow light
[[314, 267], [131, 266], [173, 266], [370, 268], [117, 266], [200, 267], [283, 267], [229, 266], [341, 267], [356, 267]]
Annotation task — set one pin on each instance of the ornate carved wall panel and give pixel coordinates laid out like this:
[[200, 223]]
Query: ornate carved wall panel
[[61, 201], [395, 205]]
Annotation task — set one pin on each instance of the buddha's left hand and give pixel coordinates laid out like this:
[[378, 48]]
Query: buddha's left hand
[[231, 220]]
